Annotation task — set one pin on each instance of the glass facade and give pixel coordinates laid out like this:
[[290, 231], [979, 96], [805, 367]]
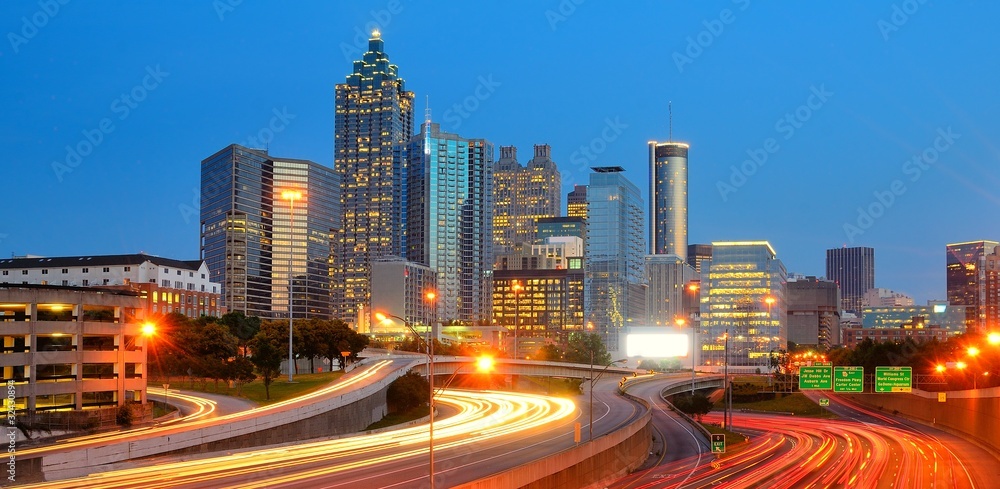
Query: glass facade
[[449, 218], [939, 314], [374, 113], [668, 198], [576, 202], [247, 233], [966, 279], [853, 269], [734, 291], [615, 251]]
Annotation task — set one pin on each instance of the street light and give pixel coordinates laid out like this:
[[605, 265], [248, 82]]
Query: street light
[[290, 196], [516, 287], [592, 381], [993, 338]]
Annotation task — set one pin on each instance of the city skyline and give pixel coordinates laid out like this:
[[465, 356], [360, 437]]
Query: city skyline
[[906, 95]]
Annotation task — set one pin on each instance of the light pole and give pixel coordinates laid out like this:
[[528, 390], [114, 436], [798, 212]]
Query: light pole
[[290, 196], [483, 363], [727, 410], [592, 381], [516, 287]]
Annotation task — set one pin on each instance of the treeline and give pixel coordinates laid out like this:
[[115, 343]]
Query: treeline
[[239, 349]]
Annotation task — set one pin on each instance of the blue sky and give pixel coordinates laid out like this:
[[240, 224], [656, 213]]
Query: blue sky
[[885, 106]]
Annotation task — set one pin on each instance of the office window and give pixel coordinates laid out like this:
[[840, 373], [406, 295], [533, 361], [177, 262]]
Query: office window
[[86, 282], [107, 269], [65, 270], [86, 270], [45, 272], [128, 269]]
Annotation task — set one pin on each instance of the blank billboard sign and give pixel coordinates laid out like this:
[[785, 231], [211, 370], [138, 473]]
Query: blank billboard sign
[[657, 345]]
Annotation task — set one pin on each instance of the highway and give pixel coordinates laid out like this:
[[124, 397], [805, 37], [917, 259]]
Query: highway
[[859, 449]]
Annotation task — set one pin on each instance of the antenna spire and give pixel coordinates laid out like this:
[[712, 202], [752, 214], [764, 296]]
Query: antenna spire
[[670, 111]]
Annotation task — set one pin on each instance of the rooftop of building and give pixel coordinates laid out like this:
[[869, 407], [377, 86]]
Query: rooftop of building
[[96, 260]]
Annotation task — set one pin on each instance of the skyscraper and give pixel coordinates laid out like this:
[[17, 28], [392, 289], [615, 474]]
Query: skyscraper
[[374, 113], [667, 277], [966, 278], [576, 202], [814, 312], [853, 269], [668, 198], [745, 286], [450, 218], [614, 254], [248, 235], [522, 195], [698, 254]]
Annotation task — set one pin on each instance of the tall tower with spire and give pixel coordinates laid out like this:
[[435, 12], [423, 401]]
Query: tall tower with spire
[[374, 113], [668, 197]]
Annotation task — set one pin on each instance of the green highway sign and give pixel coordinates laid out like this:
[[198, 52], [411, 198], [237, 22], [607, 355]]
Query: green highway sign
[[718, 443], [848, 379], [816, 378], [824, 402], [893, 379]]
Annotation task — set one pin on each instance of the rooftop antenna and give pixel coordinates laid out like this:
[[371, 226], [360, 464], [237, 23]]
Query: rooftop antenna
[[670, 111]]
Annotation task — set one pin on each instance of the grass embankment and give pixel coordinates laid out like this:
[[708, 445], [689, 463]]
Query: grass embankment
[[797, 404], [393, 419], [552, 386], [280, 389], [735, 442]]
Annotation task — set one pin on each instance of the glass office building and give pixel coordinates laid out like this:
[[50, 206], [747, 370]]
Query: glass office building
[[614, 256], [735, 288], [374, 113], [248, 235], [966, 279], [449, 218], [853, 269], [935, 313], [668, 198]]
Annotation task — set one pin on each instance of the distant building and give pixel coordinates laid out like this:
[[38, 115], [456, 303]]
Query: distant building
[[915, 330], [551, 227], [885, 298], [935, 313], [400, 288], [853, 269], [667, 278], [250, 238], [522, 195], [165, 285], [73, 348], [966, 279], [614, 257], [576, 202], [992, 274], [668, 198], [735, 289], [449, 223], [552, 253], [698, 254], [814, 313], [374, 114]]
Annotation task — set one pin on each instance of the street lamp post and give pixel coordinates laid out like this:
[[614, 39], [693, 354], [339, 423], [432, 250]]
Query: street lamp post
[[727, 410], [592, 382], [290, 196]]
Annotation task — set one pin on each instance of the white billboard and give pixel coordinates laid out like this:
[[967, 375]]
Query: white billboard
[[657, 345]]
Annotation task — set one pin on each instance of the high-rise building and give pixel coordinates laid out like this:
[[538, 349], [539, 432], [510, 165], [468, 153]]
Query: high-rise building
[[668, 198], [522, 195], [853, 269], [992, 273], [667, 278], [374, 114], [400, 288], [554, 227], [248, 235], [743, 296], [936, 313], [576, 202], [966, 279], [615, 251], [698, 254], [878, 297], [814, 312], [450, 218]]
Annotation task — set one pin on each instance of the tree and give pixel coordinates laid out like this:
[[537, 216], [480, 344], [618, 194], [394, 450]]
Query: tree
[[582, 345], [214, 349], [334, 337], [407, 392], [697, 405], [550, 352], [266, 356], [244, 328], [308, 342], [240, 371]]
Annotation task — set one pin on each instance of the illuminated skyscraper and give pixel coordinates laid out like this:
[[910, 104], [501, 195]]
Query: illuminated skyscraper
[[248, 236], [668, 198], [576, 202], [522, 195], [614, 256], [735, 291], [374, 113], [966, 279], [853, 269], [450, 218]]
